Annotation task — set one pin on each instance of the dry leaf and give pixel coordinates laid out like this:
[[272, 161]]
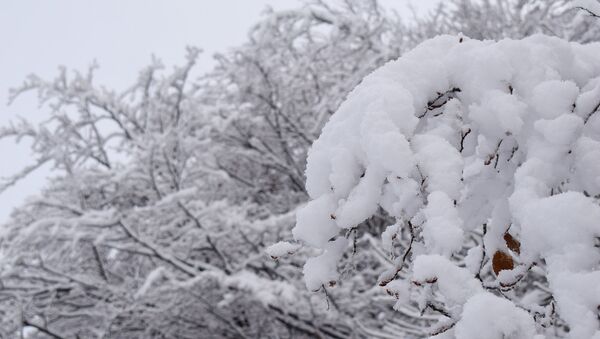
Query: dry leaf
[[502, 261], [512, 243]]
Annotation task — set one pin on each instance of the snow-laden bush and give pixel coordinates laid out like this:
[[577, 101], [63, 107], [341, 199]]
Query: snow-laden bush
[[487, 154]]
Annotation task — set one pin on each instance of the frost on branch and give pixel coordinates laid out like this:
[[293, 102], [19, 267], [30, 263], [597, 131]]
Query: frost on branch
[[592, 7], [488, 155]]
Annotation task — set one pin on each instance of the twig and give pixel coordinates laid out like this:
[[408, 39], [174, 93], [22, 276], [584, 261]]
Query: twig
[[398, 265]]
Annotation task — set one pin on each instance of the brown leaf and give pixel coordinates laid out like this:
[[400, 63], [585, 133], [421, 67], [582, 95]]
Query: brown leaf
[[512, 243], [502, 261]]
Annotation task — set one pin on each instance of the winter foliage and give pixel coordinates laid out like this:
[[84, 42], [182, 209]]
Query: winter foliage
[[453, 193], [486, 156]]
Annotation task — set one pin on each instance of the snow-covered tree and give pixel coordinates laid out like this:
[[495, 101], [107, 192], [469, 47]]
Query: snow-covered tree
[[133, 237], [164, 196], [271, 96], [493, 19], [487, 154]]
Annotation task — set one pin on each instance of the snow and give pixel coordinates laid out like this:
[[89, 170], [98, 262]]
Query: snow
[[588, 101], [314, 222], [362, 201], [281, 249], [587, 165], [265, 290], [378, 135], [440, 164], [322, 270], [544, 231], [345, 172], [498, 114], [388, 236], [399, 196], [457, 284], [153, 277], [455, 134], [443, 233], [554, 98], [473, 259], [561, 131], [570, 253], [494, 316]]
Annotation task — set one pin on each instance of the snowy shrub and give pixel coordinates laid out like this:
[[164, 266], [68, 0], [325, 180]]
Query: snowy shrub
[[487, 155]]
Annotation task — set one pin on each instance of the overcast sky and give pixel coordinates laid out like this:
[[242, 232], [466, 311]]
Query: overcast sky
[[121, 35]]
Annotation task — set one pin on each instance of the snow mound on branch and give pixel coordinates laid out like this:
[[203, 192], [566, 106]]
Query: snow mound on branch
[[281, 249], [458, 133], [496, 317], [322, 270], [456, 283]]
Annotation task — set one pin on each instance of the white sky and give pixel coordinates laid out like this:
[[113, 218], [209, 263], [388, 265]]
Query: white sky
[[121, 35]]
